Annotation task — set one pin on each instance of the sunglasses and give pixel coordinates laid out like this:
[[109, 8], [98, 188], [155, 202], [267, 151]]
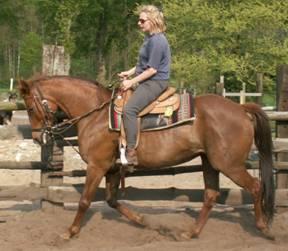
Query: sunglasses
[[142, 21]]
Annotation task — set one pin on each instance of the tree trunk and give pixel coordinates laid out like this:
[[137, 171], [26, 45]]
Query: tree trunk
[[55, 60]]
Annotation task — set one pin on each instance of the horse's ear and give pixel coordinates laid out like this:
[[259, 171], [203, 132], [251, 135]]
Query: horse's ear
[[23, 87]]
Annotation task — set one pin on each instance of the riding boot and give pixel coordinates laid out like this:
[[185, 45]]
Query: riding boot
[[132, 157]]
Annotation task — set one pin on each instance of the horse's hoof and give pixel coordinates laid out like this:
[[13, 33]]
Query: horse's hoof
[[185, 236], [140, 220], [66, 236], [71, 232], [189, 235], [267, 233]]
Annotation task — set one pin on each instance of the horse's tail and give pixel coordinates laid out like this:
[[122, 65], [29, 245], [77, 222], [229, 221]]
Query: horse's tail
[[263, 142]]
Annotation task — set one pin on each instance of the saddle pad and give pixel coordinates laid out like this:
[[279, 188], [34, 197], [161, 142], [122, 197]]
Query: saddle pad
[[184, 113]]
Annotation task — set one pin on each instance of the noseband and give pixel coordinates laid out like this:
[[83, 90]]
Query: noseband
[[41, 104]]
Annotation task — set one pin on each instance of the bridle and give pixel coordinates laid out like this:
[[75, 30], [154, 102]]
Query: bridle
[[50, 128], [41, 106]]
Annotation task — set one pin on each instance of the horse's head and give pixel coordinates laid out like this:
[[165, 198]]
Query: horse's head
[[40, 109]]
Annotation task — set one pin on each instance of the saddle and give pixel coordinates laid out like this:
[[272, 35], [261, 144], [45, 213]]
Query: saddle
[[169, 108], [166, 103]]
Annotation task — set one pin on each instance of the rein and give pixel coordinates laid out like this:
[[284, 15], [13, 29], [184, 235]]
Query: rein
[[75, 120], [51, 130]]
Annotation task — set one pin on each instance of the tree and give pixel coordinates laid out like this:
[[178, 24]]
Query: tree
[[16, 19], [31, 55], [237, 39], [209, 38]]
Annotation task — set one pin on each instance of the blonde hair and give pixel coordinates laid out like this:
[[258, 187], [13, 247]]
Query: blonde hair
[[155, 16]]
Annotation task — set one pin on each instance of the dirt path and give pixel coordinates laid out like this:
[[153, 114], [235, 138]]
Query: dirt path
[[105, 230]]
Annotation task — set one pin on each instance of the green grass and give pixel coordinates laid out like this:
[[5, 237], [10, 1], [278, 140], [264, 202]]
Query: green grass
[[4, 86], [4, 90]]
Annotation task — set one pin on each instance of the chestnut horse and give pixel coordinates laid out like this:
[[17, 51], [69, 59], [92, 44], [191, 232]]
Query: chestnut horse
[[222, 134]]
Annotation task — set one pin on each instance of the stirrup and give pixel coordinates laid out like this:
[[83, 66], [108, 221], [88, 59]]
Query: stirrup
[[132, 157]]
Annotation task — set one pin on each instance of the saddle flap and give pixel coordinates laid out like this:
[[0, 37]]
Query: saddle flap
[[168, 102], [172, 103], [121, 100], [169, 98], [169, 92]]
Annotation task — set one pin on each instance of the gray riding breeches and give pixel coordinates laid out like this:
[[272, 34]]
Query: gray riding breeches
[[145, 93]]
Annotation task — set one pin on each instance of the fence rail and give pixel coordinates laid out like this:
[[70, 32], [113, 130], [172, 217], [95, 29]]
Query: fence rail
[[52, 171]]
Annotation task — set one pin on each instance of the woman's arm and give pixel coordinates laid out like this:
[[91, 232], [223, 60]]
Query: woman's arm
[[127, 74], [148, 73]]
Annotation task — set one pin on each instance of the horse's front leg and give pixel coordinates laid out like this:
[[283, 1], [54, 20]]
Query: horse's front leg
[[112, 187], [95, 173]]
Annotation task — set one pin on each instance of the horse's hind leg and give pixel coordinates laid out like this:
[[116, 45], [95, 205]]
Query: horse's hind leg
[[211, 181], [242, 178], [112, 187]]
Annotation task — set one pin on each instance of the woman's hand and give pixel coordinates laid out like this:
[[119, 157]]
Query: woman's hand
[[126, 74], [126, 84], [123, 75]]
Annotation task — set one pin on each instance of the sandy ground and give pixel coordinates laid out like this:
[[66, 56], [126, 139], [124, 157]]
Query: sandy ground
[[229, 228], [105, 229]]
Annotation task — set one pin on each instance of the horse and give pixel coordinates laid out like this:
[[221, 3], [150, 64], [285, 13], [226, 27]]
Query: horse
[[221, 134]]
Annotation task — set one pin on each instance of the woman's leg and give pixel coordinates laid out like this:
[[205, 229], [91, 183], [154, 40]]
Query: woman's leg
[[145, 93]]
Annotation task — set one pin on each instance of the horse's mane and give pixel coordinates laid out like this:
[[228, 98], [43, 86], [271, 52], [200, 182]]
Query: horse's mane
[[38, 78]]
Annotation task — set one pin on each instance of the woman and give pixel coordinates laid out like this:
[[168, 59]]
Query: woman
[[151, 73]]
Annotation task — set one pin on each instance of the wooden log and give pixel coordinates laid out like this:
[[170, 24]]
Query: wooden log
[[71, 194], [23, 165], [12, 106], [20, 193], [13, 206], [61, 194], [278, 166], [175, 205], [281, 197], [280, 145], [281, 127], [277, 116], [155, 172]]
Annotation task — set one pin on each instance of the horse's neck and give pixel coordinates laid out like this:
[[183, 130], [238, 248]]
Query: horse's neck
[[78, 100]]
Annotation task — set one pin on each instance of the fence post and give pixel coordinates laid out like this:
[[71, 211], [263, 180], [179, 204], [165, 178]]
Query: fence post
[[220, 86], [259, 87], [242, 94], [55, 61], [51, 154], [282, 126]]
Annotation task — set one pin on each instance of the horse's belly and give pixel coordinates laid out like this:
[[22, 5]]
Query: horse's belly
[[168, 147]]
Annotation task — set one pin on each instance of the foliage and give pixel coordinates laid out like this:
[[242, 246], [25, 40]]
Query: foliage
[[237, 39], [232, 38], [31, 54]]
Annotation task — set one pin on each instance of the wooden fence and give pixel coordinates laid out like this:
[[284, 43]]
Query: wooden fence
[[51, 165], [53, 190]]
